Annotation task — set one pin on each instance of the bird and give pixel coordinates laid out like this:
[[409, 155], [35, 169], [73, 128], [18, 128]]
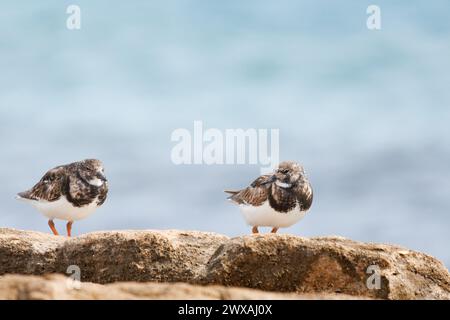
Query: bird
[[277, 200], [69, 192]]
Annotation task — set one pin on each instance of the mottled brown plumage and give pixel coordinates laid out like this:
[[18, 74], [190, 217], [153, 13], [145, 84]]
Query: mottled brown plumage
[[77, 187], [73, 181], [286, 191], [255, 194]]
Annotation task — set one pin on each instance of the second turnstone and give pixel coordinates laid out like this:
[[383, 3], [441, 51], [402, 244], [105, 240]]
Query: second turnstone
[[277, 200], [70, 192]]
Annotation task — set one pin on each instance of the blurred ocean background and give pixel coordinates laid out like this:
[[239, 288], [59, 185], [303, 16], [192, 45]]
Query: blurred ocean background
[[366, 112]]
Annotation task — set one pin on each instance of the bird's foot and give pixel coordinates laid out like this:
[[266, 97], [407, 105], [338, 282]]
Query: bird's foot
[[274, 230], [69, 228], [255, 229], [51, 224]]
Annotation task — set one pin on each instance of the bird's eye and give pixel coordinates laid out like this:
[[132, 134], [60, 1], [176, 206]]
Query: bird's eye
[[48, 179]]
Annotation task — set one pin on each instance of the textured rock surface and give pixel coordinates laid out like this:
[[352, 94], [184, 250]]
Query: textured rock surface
[[271, 262], [104, 257], [20, 287], [331, 264]]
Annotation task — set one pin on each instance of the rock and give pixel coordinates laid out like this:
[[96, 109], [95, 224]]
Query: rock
[[28, 252], [166, 256], [331, 264], [105, 257], [270, 262], [49, 287]]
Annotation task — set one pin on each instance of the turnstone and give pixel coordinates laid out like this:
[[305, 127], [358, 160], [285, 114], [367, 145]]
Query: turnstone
[[70, 192], [276, 200]]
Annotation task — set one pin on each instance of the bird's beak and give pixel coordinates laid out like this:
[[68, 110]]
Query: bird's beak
[[271, 179], [102, 177]]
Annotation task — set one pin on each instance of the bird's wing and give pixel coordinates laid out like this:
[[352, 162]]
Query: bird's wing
[[255, 194], [49, 188], [305, 195]]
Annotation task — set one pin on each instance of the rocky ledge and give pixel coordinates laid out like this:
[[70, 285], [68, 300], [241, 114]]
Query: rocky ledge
[[116, 263], [54, 286]]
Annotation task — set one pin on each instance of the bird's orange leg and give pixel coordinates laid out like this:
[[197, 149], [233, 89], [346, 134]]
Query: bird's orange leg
[[274, 230], [69, 228], [255, 229], [51, 224]]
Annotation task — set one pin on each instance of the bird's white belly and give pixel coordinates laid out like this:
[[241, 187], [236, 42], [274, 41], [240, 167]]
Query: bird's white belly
[[265, 216], [63, 209]]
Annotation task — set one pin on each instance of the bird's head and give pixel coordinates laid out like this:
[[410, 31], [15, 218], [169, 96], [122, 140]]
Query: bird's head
[[288, 174], [95, 170]]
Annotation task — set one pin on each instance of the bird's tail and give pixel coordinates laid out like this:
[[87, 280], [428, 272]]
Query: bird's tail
[[232, 194], [23, 196]]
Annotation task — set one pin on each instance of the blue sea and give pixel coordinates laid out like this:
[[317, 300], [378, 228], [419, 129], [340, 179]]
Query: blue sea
[[367, 112]]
